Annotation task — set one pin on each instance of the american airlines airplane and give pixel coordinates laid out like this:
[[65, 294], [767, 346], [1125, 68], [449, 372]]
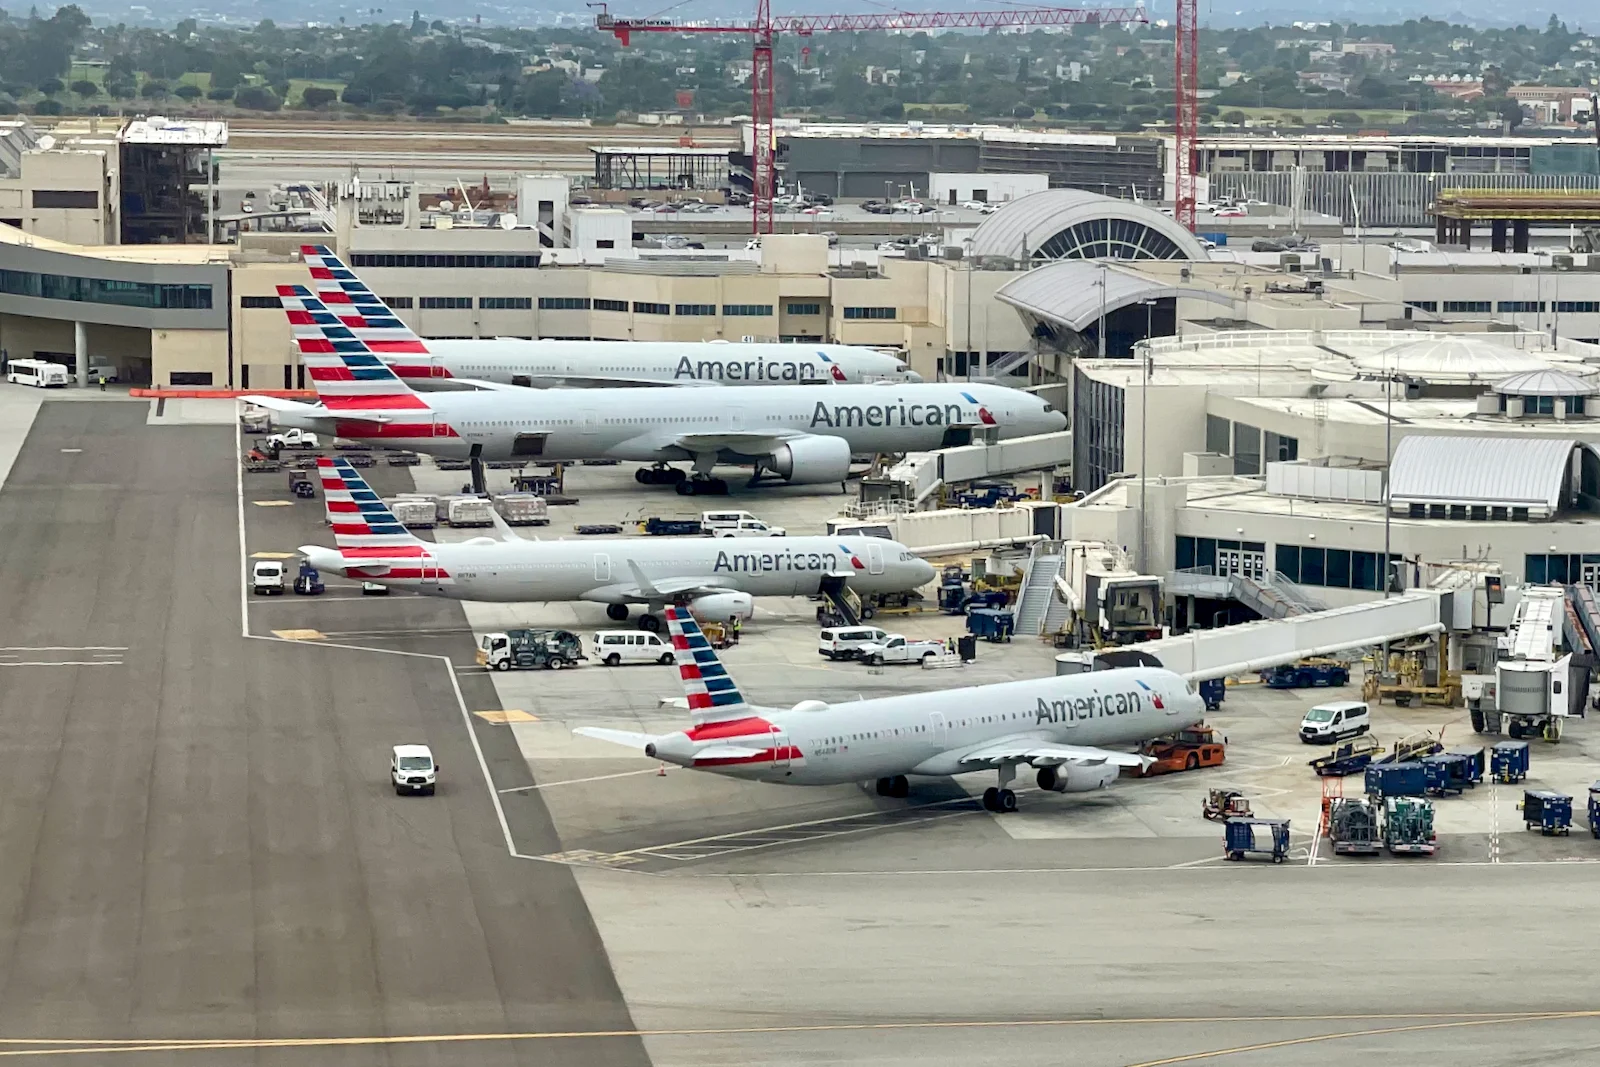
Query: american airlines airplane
[[586, 364], [1057, 725], [799, 436], [717, 579]]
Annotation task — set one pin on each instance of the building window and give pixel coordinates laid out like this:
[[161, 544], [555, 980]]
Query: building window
[[78, 198], [802, 309], [1519, 307], [399, 302], [447, 261], [191, 377], [645, 307], [446, 302], [1337, 574], [1097, 439], [610, 305], [1281, 449], [567, 303], [506, 303], [801, 339], [870, 313], [1423, 305], [1467, 307], [1219, 436], [105, 291], [1286, 561], [750, 310], [261, 302], [1578, 307], [695, 309], [1246, 449], [1313, 566]]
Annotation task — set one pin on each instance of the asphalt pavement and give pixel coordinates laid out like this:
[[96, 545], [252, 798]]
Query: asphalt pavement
[[200, 839]]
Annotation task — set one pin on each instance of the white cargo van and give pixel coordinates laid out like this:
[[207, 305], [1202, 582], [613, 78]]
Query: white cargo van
[[412, 770], [844, 642], [615, 647], [266, 577], [736, 523], [1334, 721]]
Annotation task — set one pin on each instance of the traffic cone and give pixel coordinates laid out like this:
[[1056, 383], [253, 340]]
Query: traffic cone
[[662, 773]]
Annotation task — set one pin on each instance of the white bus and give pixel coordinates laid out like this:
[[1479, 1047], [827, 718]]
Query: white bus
[[36, 372]]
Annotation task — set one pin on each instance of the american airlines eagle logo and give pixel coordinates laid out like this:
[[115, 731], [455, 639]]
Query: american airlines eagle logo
[[1155, 697], [983, 412], [833, 368], [855, 560]]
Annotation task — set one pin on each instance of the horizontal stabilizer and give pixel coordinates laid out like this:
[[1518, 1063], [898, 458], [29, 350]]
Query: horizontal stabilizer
[[616, 737], [715, 753], [289, 407]]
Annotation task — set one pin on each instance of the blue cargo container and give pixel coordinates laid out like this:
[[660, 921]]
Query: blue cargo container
[[1213, 691], [1408, 779], [1477, 763], [1508, 761], [1446, 772], [1217, 238], [1239, 838], [1550, 811]]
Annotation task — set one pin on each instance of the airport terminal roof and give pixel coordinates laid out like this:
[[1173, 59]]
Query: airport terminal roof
[[1449, 359], [1068, 292], [1507, 471], [1546, 383], [1075, 224]]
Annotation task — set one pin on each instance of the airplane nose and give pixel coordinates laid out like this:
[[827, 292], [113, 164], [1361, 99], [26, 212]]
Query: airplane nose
[[913, 376], [925, 572], [1056, 420]]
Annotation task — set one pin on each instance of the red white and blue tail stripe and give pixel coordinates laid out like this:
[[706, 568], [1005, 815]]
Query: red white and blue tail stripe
[[359, 517], [367, 317], [712, 694], [347, 374]]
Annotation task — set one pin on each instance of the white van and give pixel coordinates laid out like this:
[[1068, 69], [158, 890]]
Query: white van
[[36, 372], [266, 577], [615, 647], [412, 770], [845, 642], [731, 523], [1334, 721]]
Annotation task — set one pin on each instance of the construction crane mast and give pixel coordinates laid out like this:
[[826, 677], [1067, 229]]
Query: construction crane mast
[[765, 29], [1186, 113]]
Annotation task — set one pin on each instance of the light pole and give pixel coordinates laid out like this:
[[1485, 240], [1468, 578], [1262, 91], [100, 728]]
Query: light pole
[[967, 259], [1144, 429], [1102, 338]]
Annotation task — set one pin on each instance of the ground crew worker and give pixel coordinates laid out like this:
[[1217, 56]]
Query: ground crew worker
[[102, 383]]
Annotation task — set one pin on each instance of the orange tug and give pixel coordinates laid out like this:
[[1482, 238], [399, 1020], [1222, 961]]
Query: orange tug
[[1186, 750]]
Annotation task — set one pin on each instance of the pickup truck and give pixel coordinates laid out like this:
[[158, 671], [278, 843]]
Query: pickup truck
[[897, 648], [295, 438]]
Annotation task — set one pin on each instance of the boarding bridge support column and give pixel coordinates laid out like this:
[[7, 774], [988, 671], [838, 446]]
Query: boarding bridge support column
[[80, 346]]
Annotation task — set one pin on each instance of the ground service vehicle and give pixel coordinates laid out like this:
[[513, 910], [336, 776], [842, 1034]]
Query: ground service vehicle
[[616, 647], [846, 642], [530, 650], [266, 577], [1334, 721], [1186, 750], [897, 648], [412, 770], [729, 523], [295, 438], [1306, 676], [36, 372], [1349, 758]]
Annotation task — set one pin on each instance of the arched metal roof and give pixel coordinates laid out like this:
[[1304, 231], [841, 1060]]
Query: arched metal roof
[[1449, 359], [1546, 383], [1074, 224], [1506, 471], [1068, 293]]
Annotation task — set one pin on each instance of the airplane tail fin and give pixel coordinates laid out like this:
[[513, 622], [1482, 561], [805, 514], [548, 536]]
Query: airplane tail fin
[[359, 517], [349, 377], [713, 696], [367, 317]]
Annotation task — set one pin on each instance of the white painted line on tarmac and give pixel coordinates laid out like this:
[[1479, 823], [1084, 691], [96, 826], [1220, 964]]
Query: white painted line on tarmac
[[578, 781], [63, 648], [62, 663]]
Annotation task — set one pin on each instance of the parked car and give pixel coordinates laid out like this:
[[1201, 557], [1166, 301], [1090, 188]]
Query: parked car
[[846, 642]]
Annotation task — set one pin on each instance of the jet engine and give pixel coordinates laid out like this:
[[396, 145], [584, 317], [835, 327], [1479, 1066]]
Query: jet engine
[[1077, 778], [723, 607], [811, 460]]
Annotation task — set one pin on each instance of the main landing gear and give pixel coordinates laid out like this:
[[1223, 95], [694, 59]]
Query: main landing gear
[[896, 787], [660, 474], [999, 798], [702, 487]]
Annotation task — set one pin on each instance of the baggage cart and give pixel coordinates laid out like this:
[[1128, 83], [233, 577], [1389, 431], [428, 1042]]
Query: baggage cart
[[1309, 675], [1241, 838], [1408, 827], [415, 513], [300, 484], [1548, 811], [656, 526], [522, 509], [1508, 761], [360, 459], [402, 458], [1225, 804]]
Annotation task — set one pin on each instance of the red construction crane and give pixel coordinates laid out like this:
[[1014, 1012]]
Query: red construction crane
[[765, 29], [1186, 114]]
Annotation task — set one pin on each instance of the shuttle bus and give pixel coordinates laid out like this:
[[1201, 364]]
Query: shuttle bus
[[36, 372]]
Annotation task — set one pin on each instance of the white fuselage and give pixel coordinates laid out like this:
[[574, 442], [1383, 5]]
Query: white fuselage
[[649, 424], [928, 733], [514, 361], [598, 570]]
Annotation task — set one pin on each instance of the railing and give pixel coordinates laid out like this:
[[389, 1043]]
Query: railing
[[873, 509]]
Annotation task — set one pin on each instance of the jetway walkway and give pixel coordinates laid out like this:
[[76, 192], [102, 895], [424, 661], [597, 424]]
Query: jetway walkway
[[1256, 646], [919, 476]]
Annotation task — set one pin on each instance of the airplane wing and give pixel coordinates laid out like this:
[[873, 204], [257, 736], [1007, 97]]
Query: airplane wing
[[746, 444], [660, 588], [616, 737], [605, 381], [1039, 753]]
